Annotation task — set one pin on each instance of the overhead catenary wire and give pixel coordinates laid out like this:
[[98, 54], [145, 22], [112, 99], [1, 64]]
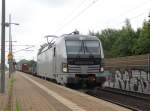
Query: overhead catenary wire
[[20, 45], [77, 15], [74, 10], [134, 8], [24, 49], [129, 11], [134, 17]]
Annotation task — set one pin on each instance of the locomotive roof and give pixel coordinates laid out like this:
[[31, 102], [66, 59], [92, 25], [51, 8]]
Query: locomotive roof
[[46, 46], [79, 37]]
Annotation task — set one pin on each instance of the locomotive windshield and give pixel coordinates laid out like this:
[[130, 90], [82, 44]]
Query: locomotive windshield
[[83, 47], [74, 47], [91, 47]]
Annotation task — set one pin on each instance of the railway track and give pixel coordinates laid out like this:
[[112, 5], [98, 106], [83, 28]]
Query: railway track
[[130, 100], [137, 95]]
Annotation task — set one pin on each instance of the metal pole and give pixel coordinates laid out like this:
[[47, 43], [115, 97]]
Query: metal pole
[[148, 77], [149, 15], [3, 48], [10, 43]]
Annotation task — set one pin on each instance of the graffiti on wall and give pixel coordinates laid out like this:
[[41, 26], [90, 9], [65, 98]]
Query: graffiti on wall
[[131, 80]]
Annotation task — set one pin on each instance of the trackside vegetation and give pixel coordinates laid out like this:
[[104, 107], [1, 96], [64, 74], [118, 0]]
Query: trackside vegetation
[[125, 41]]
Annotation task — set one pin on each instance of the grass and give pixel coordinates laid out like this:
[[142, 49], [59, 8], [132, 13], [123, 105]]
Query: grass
[[10, 94], [18, 106]]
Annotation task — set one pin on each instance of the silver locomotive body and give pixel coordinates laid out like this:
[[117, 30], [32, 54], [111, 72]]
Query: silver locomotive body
[[72, 59]]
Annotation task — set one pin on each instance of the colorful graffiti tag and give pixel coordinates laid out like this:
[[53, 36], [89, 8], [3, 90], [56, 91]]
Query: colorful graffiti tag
[[131, 80]]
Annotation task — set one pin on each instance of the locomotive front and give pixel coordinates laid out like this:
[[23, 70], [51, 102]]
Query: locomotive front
[[84, 60]]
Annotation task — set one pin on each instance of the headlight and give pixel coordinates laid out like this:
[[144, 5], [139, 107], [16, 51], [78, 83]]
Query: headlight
[[102, 69], [65, 67]]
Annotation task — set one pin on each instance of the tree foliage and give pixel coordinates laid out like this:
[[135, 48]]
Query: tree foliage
[[29, 62], [142, 45], [125, 41]]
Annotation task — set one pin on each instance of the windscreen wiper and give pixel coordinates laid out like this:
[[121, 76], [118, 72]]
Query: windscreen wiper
[[80, 50], [87, 50]]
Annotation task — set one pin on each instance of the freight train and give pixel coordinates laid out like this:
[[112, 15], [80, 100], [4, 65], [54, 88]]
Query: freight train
[[26, 68], [72, 59]]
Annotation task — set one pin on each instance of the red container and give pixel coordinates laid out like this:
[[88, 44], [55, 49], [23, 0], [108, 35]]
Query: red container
[[25, 68]]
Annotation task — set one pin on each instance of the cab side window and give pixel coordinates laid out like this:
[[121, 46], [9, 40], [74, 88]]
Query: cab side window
[[54, 51]]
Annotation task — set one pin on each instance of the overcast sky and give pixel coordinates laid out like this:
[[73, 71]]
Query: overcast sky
[[38, 18]]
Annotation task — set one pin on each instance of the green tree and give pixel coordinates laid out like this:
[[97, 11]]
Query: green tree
[[142, 45], [126, 41], [23, 61], [124, 44], [32, 63], [108, 37]]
